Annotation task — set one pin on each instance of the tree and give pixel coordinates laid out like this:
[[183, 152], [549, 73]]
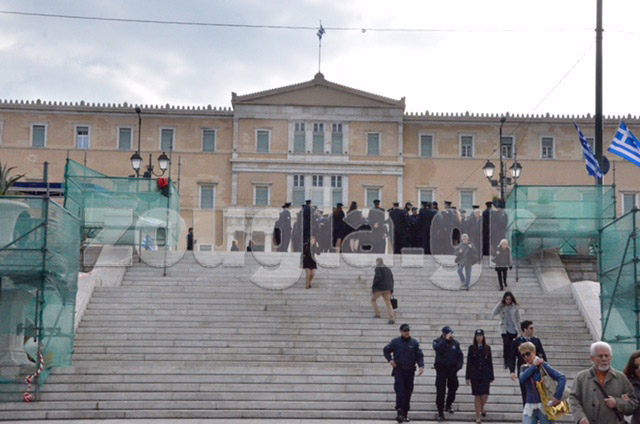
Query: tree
[[6, 181]]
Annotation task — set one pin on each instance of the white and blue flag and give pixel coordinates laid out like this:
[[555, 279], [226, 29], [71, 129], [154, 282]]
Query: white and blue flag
[[320, 32], [626, 145], [593, 167]]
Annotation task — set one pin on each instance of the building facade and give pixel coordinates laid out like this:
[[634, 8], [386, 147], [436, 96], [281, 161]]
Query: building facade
[[316, 140]]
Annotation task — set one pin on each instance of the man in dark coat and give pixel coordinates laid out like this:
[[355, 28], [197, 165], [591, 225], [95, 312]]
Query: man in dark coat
[[412, 228], [473, 227], [449, 360], [429, 235], [382, 287], [421, 226], [406, 354], [486, 229], [527, 336], [296, 233], [376, 218], [499, 222], [399, 219], [307, 218], [190, 240], [282, 231]]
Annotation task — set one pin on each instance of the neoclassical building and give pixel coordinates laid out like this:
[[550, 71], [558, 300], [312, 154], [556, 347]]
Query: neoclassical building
[[317, 140]]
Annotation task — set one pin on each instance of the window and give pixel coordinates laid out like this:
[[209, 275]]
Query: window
[[466, 146], [425, 195], [38, 135], [124, 138], [629, 200], [371, 194], [426, 145], [506, 145], [466, 199], [546, 148], [166, 139], [82, 137], [261, 195], [336, 139], [317, 191], [297, 197], [299, 138], [207, 196], [262, 141], [373, 144], [208, 140], [318, 138], [336, 189], [205, 248]]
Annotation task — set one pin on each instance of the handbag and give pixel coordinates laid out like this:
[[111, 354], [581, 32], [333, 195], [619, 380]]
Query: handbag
[[546, 389], [394, 303]]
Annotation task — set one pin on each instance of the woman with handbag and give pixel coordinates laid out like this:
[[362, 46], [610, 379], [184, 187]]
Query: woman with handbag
[[632, 371], [510, 319], [502, 259], [534, 370], [479, 372]]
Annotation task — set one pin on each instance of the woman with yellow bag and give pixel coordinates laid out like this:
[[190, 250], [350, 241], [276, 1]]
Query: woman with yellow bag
[[541, 406]]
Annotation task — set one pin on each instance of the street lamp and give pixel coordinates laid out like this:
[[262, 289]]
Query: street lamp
[[163, 163], [489, 169], [136, 157]]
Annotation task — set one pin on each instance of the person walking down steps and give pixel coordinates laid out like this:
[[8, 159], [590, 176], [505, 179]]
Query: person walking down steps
[[403, 353], [449, 360]]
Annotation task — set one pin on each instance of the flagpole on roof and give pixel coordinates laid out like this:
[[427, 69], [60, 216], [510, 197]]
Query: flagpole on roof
[[598, 129], [320, 32]]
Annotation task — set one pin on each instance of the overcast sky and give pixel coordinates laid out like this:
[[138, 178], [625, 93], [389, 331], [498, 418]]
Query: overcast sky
[[495, 56]]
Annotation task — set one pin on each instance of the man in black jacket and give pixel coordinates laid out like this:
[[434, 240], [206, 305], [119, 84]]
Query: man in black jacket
[[449, 359], [282, 231], [406, 353], [382, 286], [399, 219], [376, 219], [527, 336]]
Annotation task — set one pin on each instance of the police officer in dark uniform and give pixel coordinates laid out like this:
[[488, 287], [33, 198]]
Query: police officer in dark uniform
[[449, 360], [399, 219], [376, 218], [421, 225], [406, 353], [473, 226], [282, 232]]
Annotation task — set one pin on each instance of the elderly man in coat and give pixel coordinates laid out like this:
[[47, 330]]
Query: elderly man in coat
[[601, 395], [382, 286]]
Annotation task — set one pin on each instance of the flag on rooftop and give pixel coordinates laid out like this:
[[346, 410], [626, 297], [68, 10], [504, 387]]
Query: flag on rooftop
[[593, 167], [320, 32], [626, 145]]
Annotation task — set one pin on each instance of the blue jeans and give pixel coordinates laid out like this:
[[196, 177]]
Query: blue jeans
[[466, 281], [538, 417]]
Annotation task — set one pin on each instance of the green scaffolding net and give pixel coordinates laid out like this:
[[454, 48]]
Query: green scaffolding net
[[121, 211], [39, 260], [619, 286], [563, 217]]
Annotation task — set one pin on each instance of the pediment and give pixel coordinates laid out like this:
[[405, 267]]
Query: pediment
[[317, 92]]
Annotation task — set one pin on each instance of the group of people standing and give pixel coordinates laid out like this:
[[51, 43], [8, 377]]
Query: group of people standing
[[428, 228], [600, 395]]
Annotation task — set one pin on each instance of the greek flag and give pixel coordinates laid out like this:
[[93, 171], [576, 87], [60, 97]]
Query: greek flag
[[626, 145], [320, 32], [593, 167]]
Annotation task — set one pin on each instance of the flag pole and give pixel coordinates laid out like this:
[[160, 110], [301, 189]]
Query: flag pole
[[320, 46], [598, 129]]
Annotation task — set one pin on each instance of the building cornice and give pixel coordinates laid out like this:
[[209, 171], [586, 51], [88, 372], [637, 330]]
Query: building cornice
[[113, 108], [492, 118]]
